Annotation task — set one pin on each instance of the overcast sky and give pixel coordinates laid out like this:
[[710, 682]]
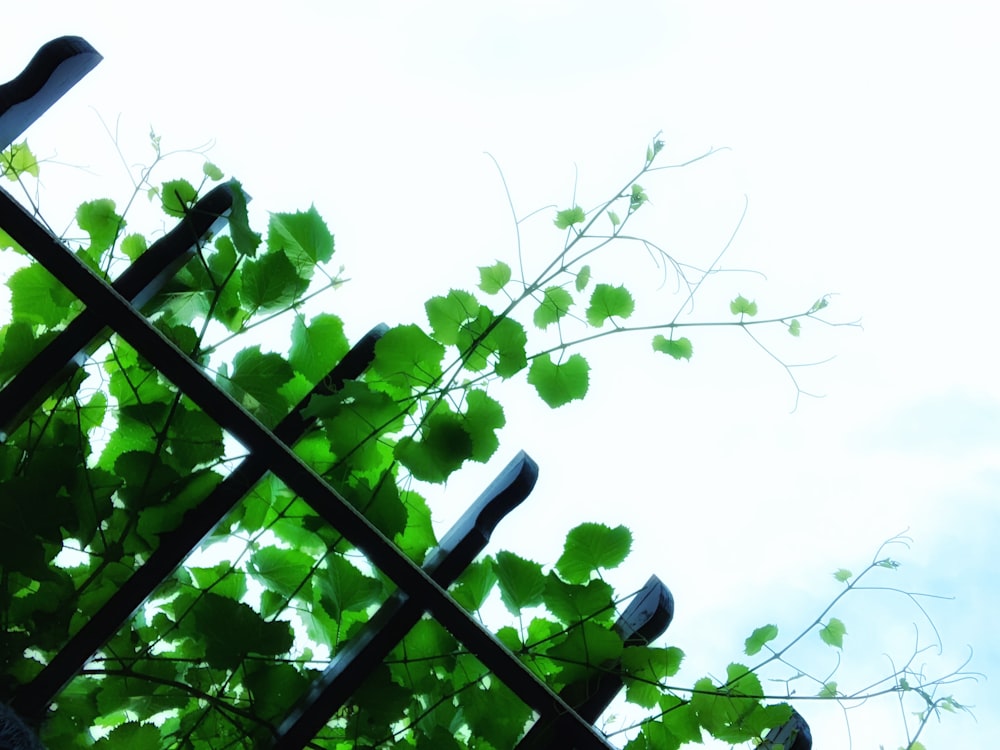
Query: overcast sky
[[863, 135]]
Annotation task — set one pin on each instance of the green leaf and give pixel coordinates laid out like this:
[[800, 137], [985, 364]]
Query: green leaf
[[354, 418], [418, 538], [447, 315], [483, 417], [819, 305], [843, 575], [37, 297], [587, 649], [303, 236], [590, 547], [211, 171], [7, 243], [645, 666], [795, 327], [677, 348], [407, 358], [758, 638], [833, 633], [555, 303], [637, 197], [17, 159], [177, 196], [582, 278], [132, 735], [475, 584], [570, 216], [133, 246], [344, 588], [281, 570], [443, 447], [573, 603], [271, 282], [230, 631], [742, 306], [493, 278], [829, 690], [559, 384], [245, 239], [615, 221], [521, 581], [317, 347], [99, 219], [256, 380], [609, 301]]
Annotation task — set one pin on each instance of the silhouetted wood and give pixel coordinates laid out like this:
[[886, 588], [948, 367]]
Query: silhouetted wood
[[55, 69], [794, 734], [400, 612], [83, 335]]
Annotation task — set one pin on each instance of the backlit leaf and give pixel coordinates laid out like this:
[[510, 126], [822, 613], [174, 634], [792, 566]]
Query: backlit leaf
[[232, 630], [448, 314], [17, 159], [555, 303], [318, 346], [558, 384], [582, 278], [303, 236], [608, 301], [570, 216], [843, 575], [494, 278], [521, 581], [591, 547], [742, 306], [758, 638], [677, 348], [177, 196], [833, 633], [99, 219]]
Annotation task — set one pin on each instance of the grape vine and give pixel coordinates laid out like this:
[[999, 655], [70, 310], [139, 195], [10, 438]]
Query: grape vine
[[110, 463]]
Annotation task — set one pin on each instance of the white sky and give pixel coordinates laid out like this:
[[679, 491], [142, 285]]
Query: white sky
[[863, 134]]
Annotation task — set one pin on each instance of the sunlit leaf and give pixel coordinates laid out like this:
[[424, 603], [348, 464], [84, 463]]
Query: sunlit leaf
[[677, 348], [570, 216], [521, 581], [742, 306], [608, 301], [843, 575], [591, 547], [758, 638], [558, 384], [177, 196], [555, 303], [833, 633], [494, 278]]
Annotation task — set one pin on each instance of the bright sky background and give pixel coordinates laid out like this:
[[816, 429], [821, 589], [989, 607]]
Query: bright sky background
[[864, 135]]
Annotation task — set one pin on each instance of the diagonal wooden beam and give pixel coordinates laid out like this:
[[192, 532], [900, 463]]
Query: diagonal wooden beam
[[56, 68]]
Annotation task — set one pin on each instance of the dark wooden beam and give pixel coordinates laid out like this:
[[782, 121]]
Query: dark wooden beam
[[56, 68]]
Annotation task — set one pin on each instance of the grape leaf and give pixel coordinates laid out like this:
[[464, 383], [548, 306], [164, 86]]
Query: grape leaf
[[568, 217], [559, 384], [742, 306], [833, 633], [521, 581], [590, 547], [758, 638], [843, 575], [317, 347], [303, 235], [177, 197], [608, 301], [99, 219], [17, 159], [447, 315], [677, 348], [582, 278], [494, 278], [555, 303]]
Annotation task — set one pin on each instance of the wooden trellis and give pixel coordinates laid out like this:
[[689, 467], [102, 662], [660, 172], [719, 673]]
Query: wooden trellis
[[564, 719]]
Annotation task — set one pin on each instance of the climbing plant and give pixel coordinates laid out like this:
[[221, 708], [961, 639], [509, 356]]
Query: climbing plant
[[110, 463]]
